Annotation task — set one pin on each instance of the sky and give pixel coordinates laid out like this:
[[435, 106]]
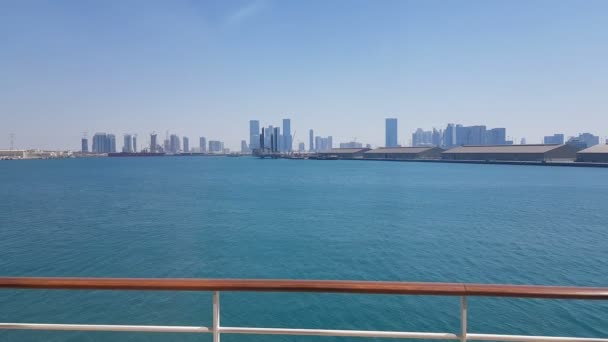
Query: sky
[[340, 67]]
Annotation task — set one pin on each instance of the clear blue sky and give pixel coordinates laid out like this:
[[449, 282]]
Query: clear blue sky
[[203, 68]]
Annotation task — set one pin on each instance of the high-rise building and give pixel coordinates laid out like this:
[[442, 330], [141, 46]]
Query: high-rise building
[[186, 144], [174, 144], [449, 136], [275, 139], [153, 144], [254, 134], [523, 141], [323, 144], [84, 145], [104, 143], [268, 133], [112, 140], [244, 148], [301, 147], [216, 146], [99, 143], [476, 135], [287, 138], [127, 145], [311, 145], [135, 143], [589, 139], [496, 136], [437, 138], [202, 144], [557, 138], [422, 138], [391, 132]]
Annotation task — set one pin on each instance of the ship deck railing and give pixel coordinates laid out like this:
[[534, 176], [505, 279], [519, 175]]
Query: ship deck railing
[[216, 286]]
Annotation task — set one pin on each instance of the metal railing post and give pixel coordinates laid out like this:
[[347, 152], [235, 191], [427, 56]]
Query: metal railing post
[[216, 316], [463, 319]]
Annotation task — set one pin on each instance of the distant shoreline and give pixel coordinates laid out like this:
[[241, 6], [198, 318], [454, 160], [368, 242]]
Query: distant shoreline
[[486, 162]]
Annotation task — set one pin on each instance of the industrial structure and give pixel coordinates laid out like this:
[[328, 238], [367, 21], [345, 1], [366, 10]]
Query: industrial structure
[[404, 153], [344, 153], [594, 154], [527, 153]]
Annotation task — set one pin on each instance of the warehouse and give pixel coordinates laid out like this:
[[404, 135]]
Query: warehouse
[[593, 154], [13, 154], [404, 153], [527, 153], [343, 153]]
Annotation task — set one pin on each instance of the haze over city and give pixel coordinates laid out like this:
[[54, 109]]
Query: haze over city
[[340, 68]]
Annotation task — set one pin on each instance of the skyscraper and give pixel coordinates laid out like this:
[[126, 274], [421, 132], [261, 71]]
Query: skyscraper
[[323, 144], [276, 136], [496, 136], [422, 138], [311, 145], [287, 138], [135, 143], [449, 136], [554, 139], [202, 143], [153, 144], [104, 143], [84, 145], [269, 131], [127, 146], [186, 144], [244, 148], [99, 143], [301, 147], [391, 132], [216, 146], [112, 142], [174, 145], [589, 139], [254, 134]]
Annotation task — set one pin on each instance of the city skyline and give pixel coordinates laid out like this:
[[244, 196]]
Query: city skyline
[[272, 139], [532, 67]]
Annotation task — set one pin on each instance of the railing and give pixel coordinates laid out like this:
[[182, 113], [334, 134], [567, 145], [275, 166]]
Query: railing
[[370, 287]]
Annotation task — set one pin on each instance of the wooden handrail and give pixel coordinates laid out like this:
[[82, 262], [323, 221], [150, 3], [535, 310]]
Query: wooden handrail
[[335, 286]]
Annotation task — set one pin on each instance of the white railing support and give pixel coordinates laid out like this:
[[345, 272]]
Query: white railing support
[[216, 316], [463, 319]]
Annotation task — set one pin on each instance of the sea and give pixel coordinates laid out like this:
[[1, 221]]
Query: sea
[[218, 217]]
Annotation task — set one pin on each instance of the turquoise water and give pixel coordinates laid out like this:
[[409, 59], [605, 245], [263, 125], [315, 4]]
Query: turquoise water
[[250, 218]]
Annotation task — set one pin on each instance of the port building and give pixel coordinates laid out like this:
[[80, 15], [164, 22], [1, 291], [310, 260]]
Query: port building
[[593, 154], [345, 153], [404, 153], [527, 153]]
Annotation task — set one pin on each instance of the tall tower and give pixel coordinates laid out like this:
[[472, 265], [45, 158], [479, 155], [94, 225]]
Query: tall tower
[[391, 132], [287, 138], [202, 144], [153, 142], [127, 143], [311, 144], [186, 145], [84, 143], [254, 134]]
